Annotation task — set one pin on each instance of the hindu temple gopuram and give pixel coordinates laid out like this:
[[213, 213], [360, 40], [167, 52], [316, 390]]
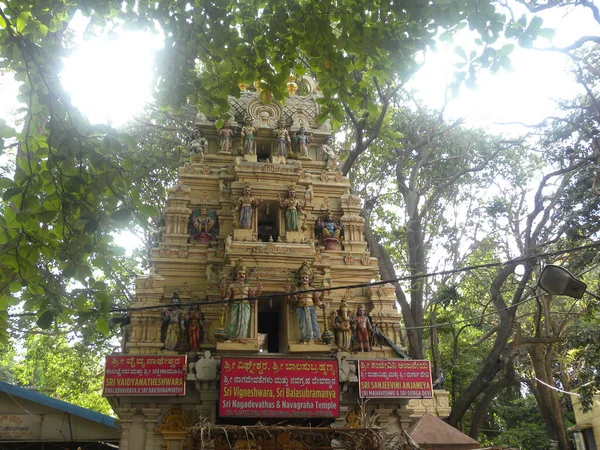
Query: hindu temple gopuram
[[258, 326]]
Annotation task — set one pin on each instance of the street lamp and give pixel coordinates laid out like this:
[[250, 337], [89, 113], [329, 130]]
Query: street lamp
[[558, 281]]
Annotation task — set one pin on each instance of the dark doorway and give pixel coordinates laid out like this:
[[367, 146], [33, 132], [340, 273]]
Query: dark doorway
[[268, 323], [267, 221]]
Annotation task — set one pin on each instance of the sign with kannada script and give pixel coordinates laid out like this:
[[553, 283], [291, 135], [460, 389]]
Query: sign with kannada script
[[256, 387], [394, 378], [144, 375], [20, 426]]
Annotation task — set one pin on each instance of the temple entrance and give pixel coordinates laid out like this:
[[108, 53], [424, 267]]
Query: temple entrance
[[270, 323]]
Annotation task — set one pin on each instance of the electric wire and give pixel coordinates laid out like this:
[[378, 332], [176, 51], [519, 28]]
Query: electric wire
[[515, 261]]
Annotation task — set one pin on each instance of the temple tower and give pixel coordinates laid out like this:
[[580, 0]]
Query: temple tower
[[262, 259]]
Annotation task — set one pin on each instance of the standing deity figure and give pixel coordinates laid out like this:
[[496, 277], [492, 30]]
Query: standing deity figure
[[172, 318], [362, 324], [292, 207], [226, 135], [237, 294], [195, 327], [248, 135], [305, 303], [199, 144], [342, 324], [283, 138], [243, 208], [302, 141]]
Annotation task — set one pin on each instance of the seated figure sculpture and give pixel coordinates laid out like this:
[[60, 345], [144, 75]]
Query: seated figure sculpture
[[204, 225], [329, 230]]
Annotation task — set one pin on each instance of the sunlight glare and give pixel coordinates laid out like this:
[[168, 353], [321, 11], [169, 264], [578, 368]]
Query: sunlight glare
[[110, 79]]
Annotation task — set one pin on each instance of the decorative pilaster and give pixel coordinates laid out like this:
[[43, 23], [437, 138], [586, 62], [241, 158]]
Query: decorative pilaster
[[124, 421], [151, 420]]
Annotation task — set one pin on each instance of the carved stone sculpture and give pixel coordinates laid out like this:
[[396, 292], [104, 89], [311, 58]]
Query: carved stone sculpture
[[235, 296], [292, 207], [173, 321], [305, 303], [244, 208], [342, 324]]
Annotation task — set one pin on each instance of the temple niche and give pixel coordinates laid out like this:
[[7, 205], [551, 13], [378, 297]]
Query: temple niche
[[262, 259]]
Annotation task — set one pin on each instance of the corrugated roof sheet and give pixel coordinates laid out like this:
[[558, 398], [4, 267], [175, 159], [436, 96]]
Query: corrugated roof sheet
[[42, 399]]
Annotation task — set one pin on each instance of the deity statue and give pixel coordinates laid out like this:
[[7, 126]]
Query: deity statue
[[195, 327], [237, 294], [328, 229], [330, 155], [305, 303], [199, 144], [301, 139], [362, 325], [204, 225], [248, 135], [283, 138], [292, 207], [243, 208], [172, 318], [342, 325], [226, 137]]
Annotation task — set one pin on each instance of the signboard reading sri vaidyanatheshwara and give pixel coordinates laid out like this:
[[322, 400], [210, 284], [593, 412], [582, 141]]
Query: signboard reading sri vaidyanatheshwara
[[394, 379], [144, 375], [279, 388]]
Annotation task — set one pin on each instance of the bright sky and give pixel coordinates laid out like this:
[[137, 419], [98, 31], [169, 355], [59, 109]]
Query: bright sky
[[109, 79], [527, 94]]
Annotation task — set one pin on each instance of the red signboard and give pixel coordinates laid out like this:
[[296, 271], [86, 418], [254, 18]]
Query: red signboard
[[279, 388], [395, 378], [145, 375]]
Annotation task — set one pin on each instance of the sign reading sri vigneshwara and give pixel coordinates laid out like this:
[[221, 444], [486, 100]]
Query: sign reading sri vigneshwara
[[394, 378], [145, 375], [279, 388]]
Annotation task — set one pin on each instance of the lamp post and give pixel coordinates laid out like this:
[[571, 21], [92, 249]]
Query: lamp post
[[559, 281]]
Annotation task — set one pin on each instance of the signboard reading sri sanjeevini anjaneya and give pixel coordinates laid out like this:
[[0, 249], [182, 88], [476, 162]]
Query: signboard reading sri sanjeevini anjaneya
[[394, 378], [256, 387]]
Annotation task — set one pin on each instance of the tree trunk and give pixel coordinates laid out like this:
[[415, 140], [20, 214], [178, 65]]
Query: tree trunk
[[547, 397], [482, 406], [416, 260], [497, 356], [387, 271]]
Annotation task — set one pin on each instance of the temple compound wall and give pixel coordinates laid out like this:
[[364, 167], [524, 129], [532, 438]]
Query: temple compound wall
[[261, 271]]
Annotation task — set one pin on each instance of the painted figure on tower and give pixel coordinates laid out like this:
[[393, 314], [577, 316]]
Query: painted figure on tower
[[342, 325], [305, 303], [363, 326], [235, 296], [302, 140], [292, 207], [248, 135], [283, 138], [195, 327], [204, 225], [199, 144], [244, 208], [226, 135], [173, 322], [329, 230]]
